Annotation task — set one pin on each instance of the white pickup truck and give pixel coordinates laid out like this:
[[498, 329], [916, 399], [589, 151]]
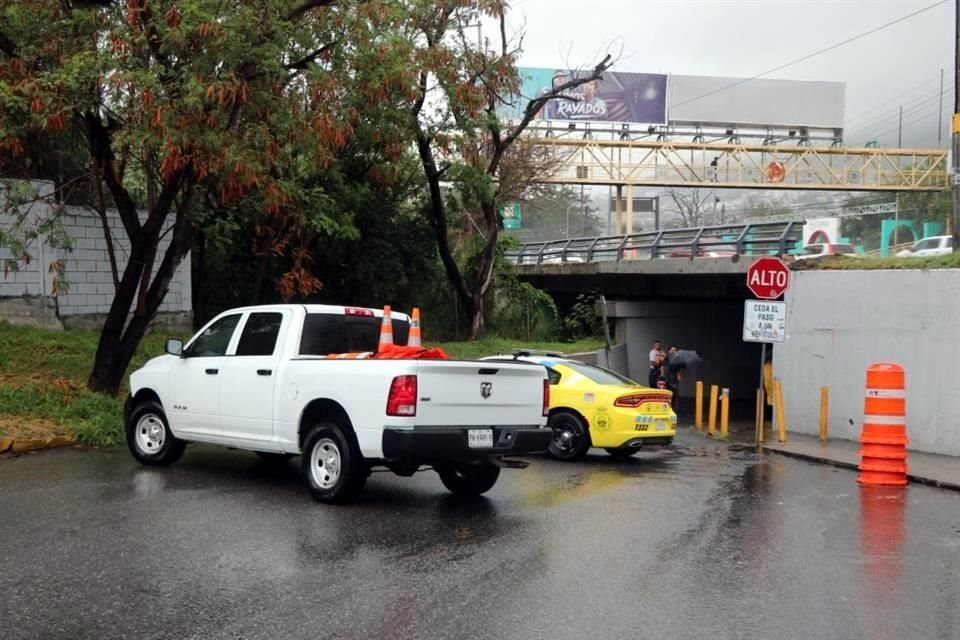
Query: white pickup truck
[[262, 379]]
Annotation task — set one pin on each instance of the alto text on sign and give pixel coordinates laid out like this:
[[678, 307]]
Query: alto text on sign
[[764, 321], [768, 278]]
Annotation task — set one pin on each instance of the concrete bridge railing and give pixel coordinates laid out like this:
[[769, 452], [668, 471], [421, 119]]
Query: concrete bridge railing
[[751, 239]]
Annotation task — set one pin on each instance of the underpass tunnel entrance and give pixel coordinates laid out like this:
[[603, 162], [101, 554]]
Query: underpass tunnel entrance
[[713, 328]]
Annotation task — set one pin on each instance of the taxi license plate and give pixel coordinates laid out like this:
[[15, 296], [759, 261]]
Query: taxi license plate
[[661, 425], [480, 438]]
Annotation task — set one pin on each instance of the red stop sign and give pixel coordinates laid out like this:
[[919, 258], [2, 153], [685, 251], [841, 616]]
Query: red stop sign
[[768, 278]]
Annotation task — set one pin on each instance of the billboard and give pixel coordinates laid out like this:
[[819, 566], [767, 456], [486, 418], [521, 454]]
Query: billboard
[[618, 97], [758, 102]]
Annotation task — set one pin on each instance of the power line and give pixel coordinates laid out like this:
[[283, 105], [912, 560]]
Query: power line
[[814, 54], [882, 121], [919, 118], [894, 100]]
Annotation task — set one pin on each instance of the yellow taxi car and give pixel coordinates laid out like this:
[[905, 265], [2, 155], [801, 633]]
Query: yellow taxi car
[[593, 407]]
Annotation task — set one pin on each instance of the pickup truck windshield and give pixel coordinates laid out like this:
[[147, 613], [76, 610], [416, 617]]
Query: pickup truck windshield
[[325, 333]]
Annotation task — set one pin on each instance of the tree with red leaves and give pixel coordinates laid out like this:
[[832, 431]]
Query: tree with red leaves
[[203, 106]]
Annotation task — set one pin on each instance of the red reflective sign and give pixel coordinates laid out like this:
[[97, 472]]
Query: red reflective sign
[[768, 278]]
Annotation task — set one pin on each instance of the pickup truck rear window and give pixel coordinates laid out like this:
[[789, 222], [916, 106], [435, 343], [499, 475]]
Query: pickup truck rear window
[[325, 333]]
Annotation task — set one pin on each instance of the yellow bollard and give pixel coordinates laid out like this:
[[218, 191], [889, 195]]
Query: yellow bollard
[[712, 420], [724, 412], [824, 411], [698, 416], [778, 406], [760, 420]]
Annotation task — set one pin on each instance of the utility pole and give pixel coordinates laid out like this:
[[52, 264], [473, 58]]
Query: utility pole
[[955, 128], [900, 130], [940, 114]]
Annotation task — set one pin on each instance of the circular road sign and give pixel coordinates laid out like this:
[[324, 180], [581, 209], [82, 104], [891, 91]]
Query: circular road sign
[[768, 278]]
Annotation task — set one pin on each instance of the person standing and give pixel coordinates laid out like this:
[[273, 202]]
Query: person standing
[[656, 361]]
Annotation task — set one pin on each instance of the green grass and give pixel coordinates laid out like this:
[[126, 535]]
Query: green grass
[[839, 263], [43, 376], [493, 346]]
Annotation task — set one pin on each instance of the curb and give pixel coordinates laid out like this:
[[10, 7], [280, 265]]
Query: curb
[[23, 445], [930, 482]]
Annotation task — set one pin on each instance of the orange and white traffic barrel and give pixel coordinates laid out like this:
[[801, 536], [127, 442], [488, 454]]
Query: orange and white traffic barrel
[[883, 454]]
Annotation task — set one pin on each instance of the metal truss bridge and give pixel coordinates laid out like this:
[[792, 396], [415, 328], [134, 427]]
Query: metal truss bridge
[[621, 159]]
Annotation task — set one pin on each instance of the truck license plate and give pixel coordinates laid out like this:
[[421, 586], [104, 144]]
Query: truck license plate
[[480, 438]]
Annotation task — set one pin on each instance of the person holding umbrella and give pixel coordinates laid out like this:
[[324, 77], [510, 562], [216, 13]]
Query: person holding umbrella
[[674, 370]]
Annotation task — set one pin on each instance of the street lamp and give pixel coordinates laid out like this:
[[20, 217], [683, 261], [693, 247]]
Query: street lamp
[[570, 206]]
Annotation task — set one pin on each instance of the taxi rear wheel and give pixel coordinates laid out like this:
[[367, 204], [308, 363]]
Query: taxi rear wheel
[[571, 438]]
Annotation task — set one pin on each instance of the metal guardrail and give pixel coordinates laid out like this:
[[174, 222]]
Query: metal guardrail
[[765, 238]]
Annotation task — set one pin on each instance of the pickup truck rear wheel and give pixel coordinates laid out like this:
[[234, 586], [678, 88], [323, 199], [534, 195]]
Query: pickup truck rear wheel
[[468, 479], [149, 437], [332, 466]]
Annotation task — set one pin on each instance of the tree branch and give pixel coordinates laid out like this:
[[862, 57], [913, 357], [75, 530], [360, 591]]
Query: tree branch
[[99, 138], [534, 106], [305, 61], [307, 6]]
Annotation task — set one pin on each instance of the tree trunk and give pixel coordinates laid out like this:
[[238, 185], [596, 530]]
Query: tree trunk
[[475, 315], [119, 339]]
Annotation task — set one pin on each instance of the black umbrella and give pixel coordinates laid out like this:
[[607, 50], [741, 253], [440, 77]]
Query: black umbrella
[[683, 358]]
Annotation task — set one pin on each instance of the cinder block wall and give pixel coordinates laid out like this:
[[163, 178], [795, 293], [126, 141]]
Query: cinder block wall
[[840, 322], [25, 295]]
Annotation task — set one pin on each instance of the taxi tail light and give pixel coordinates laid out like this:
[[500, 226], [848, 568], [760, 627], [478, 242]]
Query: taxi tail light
[[546, 397], [402, 399], [637, 399]]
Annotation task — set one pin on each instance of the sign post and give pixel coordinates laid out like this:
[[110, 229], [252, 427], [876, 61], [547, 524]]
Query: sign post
[[512, 216], [764, 320]]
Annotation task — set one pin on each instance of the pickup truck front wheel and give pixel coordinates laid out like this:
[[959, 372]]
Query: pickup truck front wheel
[[149, 437], [468, 479], [333, 468]]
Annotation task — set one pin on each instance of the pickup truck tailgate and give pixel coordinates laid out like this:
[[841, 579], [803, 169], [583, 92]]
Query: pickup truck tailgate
[[460, 393]]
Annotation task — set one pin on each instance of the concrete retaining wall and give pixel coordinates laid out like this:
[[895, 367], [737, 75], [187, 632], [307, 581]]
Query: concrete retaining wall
[[839, 322], [615, 361], [91, 288]]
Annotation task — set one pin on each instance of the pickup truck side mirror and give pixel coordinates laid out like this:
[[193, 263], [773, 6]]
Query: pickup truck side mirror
[[174, 347]]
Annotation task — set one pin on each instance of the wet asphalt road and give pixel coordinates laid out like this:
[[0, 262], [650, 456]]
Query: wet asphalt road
[[698, 542]]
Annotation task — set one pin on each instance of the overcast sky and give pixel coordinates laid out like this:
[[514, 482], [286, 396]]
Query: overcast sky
[[898, 65]]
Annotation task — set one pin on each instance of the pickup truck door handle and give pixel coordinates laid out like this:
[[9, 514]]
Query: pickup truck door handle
[[212, 372], [264, 372]]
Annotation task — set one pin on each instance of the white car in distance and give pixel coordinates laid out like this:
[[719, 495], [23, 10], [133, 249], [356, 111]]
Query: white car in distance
[[932, 246]]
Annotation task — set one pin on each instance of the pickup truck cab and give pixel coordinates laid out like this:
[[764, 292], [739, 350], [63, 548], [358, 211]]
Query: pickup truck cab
[[290, 380]]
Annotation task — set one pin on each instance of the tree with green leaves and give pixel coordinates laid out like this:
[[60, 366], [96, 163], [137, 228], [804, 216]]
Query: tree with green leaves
[[457, 87], [205, 108]]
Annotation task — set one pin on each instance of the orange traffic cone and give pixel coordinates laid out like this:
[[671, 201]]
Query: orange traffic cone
[[386, 327], [413, 340], [883, 456]]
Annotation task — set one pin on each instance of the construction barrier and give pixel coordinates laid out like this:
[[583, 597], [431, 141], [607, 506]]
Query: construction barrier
[[883, 454]]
